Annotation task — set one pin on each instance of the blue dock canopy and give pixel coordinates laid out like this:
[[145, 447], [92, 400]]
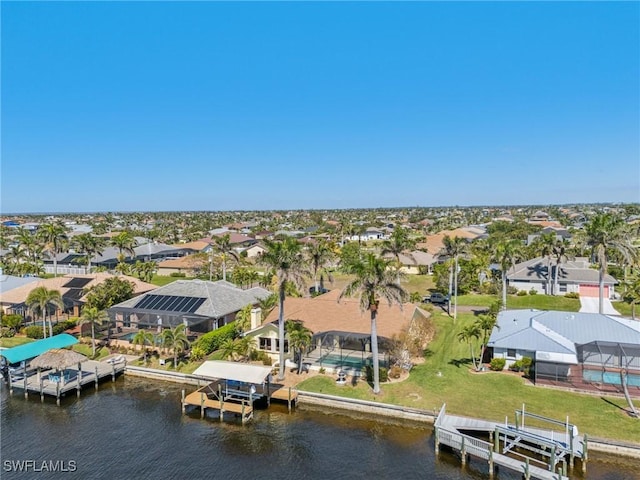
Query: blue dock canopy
[[33, 349]]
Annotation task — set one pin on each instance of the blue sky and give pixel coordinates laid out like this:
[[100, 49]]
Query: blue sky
[[134, 106]]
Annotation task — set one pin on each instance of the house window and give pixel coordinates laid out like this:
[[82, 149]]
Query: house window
[[286, 345], [563, 287], [511, 353], [265, 343]]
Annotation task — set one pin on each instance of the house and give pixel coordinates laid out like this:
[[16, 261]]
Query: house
[[10, 282], [335, 325], [566, 345], [200, 305], [573, 276], [415, 262], [72, 288]]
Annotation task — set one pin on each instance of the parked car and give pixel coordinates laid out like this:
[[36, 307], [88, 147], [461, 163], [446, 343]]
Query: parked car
[[437, 299]]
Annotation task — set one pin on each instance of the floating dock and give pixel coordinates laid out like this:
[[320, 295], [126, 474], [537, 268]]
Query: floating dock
[[550, 449], [60, 383]]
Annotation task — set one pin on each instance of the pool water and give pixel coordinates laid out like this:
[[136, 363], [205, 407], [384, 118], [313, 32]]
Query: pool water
[[610, 378], [129, 337], [355, 362]]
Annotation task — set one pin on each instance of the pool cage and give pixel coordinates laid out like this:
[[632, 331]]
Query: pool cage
[[610, 362], [347, 350], [127, 319]]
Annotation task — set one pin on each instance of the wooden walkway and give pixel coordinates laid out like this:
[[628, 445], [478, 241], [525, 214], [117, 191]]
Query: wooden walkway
[[58, 384], [544, 443]]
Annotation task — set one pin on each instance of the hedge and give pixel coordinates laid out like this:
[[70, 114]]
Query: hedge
[[211, 341]]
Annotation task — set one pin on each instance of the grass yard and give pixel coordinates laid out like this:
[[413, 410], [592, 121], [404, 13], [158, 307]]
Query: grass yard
[[445, 377], [539, 302], [162, 280], [14, 341], [88, 352]]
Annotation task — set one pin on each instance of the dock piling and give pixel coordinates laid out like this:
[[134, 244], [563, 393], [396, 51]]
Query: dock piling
[[96, 378], [184, 408]]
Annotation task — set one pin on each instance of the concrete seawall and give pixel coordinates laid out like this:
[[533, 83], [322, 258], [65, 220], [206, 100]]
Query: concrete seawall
[[371, 408]]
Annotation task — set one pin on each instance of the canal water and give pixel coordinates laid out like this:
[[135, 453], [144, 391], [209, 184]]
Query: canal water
[[134, 429]]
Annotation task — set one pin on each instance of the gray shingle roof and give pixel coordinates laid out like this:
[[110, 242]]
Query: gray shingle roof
[[221, 298], [570, 272]]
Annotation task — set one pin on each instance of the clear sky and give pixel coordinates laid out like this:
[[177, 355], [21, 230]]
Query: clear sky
[[128, 106]]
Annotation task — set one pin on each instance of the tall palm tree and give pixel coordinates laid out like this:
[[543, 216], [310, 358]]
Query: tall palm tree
[[285, 260], [143, 338], [54, 236], [545, 244], [398, 243], [560, 252], [222, 245], [125, 243], [468, 334], [373, 280], [606, 234], [90, 245], [506, 253], [93, 317], [175, 339], [453, 248], [40, 300], [299, 339], [320, 255]]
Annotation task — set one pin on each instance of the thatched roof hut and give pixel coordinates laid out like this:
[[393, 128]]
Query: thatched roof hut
[[58, 358]]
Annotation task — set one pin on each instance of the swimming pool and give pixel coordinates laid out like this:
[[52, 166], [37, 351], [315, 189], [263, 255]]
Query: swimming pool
[[611, 378], [129, 337]]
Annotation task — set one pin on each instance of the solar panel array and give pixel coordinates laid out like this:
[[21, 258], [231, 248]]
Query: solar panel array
[[77, 282], [74, 294], [170, 303]]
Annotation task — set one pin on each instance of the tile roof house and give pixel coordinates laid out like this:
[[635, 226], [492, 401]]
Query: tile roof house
[[558, 341], [574, 276], [201, 305], [324, 315]]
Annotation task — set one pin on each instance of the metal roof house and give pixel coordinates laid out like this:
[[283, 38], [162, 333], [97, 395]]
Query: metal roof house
[[562, 344], [200, 305]]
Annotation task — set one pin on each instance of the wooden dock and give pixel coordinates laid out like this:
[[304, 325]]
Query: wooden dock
[[60, 383], [551, 446]]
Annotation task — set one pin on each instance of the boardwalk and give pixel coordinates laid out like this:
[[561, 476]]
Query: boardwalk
[[549, 448], [59, 384]]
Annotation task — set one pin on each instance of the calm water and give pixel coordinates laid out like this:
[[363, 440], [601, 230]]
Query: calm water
[[134, 429]]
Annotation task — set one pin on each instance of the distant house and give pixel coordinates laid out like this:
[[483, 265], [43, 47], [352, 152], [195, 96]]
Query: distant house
[[574, 276], [368, 235], [416, 262], [200, 305], [566, 346]]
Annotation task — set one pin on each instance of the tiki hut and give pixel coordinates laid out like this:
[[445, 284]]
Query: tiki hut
[[59, 359]]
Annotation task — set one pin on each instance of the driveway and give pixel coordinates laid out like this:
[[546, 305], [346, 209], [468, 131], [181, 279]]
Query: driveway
[[590, 305]]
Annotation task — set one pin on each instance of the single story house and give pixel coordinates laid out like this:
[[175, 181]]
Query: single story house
[[574, 276], [563, 344], [200, 305], [415, 262], [335, 325]]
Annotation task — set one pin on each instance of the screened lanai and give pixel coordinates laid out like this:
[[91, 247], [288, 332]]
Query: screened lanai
[[604, 361]]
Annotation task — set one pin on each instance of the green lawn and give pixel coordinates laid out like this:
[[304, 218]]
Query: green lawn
[[14, 341], [539, 302], [162, 280], [445, 377], [88, 352]]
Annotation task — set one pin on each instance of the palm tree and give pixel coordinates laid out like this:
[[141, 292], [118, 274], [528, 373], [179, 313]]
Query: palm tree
[[285, 260], [90, 246], [39, 300], [398, 243], [222, 245], [468, 334], [267, 304], [545, 244], [143, 338], [243, 319], [320, 256], [606, 234], [560, 249], [145, 270], [631, 293], [54, 235], [453, 248], [93, 317], [125, 243], [299, 339], [506, 253], [373, 280], [176, 340], [230, 349]]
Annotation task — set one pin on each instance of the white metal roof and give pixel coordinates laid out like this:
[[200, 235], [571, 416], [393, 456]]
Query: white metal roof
[[241, 372]]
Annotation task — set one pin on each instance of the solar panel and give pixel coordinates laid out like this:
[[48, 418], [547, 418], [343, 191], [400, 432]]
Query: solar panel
[[73, 294], [77, 282], [170, 303]]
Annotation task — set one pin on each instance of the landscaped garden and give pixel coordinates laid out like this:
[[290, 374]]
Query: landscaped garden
[[446, 376]]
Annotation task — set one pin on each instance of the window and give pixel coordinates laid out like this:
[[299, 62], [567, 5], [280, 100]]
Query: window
[[286, 345], [265, 343], [511, 352]]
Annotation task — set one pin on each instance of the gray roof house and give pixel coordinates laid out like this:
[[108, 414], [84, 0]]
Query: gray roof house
[[200, 305], [565, 344], [574, 276]]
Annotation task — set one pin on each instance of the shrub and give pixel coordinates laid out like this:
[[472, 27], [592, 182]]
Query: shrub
[[516, 366], [34, 331], [522, 293], [497, 364], [526, 364], [211, 341], [266, 360], [572, 295], [395, 372], [62, 326], [512, 290], [533, 291], [197, 353], [178, 274], [6, 332], [384, 374], [322, 370]]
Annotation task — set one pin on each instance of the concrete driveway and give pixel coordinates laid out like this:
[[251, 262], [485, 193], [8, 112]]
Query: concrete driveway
[[590, 305]]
